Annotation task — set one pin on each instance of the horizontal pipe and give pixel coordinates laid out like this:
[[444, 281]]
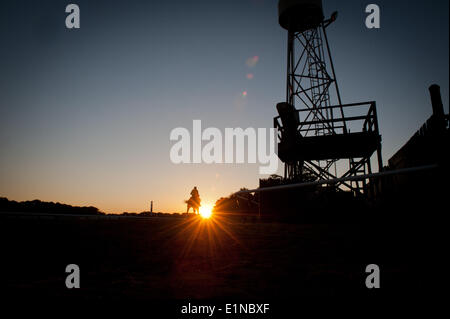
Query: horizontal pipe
[[337, 180]]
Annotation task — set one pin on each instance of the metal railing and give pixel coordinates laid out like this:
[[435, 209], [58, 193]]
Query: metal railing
[[305, 127]]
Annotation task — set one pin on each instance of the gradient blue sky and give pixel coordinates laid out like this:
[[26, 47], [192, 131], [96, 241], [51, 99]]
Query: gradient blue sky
[[85, 115]]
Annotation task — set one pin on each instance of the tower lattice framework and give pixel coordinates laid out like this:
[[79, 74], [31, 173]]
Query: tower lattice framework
[[313, 92]]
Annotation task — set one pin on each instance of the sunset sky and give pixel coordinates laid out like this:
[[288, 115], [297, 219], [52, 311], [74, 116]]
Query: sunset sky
[[85, 115]]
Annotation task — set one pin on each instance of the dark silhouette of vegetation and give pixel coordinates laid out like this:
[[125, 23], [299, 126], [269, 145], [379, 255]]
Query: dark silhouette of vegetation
[[248, 203], [245, 203], [154, 214], [37, 206]]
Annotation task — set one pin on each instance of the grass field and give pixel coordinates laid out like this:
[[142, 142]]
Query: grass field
[[166, 258]]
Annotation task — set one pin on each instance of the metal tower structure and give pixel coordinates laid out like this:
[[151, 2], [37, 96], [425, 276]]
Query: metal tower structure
[[318, 136]]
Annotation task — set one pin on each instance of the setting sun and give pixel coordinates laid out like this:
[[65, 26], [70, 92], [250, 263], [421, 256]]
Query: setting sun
[[206, 211]]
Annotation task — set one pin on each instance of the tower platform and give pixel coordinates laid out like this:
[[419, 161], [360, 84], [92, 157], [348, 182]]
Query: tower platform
[[297, 142]]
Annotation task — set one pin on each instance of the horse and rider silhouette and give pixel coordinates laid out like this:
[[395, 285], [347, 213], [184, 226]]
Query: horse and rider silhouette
[[194, 201]]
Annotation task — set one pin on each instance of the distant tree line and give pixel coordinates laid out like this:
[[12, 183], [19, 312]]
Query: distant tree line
[[37, 206], [149, 214]]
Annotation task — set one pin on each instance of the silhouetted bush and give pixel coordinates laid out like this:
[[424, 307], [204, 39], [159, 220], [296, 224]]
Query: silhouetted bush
[[242, 203]]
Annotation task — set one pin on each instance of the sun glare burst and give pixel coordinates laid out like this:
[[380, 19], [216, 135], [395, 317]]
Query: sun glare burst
[[206, 211]]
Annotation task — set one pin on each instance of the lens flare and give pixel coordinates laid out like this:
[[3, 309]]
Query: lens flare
[[252, 61]]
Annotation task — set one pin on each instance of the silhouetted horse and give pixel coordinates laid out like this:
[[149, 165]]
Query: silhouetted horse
[[192, 203]]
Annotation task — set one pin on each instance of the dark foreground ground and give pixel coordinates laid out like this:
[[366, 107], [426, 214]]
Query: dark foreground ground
[[166, 258]]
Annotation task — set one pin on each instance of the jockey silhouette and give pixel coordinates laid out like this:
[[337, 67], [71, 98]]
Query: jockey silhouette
[[194, 201]]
